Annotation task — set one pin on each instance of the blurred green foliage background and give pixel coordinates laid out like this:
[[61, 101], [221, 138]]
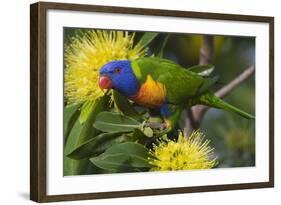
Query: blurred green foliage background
[[232, 137]]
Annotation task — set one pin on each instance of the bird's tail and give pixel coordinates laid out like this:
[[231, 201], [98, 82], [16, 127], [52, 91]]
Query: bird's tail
[[211, 100]]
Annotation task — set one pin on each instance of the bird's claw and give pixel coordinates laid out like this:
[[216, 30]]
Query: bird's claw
[[156, 125]]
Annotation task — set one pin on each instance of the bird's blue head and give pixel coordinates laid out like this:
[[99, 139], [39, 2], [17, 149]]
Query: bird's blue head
[[120, 76]]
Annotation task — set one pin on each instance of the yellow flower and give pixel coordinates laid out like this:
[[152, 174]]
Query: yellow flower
[[184, 154], [87, 53]]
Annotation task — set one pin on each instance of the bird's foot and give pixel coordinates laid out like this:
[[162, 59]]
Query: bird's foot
[[156, 125]]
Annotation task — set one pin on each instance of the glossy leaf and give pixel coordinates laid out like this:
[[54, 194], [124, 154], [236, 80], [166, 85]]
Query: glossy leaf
[[147, 38], [163, 45], [70, 114], [96, 145], [115, 122], [86, 110], [128, 156], [73, 167]]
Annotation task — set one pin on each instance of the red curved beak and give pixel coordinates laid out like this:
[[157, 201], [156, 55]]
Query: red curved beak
[[105, 82]]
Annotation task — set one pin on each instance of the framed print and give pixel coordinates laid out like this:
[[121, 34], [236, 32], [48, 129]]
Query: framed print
[[134, 102]]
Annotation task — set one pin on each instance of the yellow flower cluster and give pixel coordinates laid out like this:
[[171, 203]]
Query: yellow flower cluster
[[87, 53], [184, 154]]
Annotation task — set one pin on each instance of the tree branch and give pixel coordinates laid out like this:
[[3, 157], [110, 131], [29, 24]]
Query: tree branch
[[235, 82], [198, 111], [207, 50]]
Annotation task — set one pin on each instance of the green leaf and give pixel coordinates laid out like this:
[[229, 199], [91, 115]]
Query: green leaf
[[146, 39], [70, 114], [148, 132], [115, 122], [73, 167], [128, 156], [86, 110], [137, 136], [96, 145], [120, 163], [124, 105], [78, 135], [203, 70], [164, 43]]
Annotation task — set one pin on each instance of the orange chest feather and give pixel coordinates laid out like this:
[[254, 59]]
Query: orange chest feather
[[151, 94]]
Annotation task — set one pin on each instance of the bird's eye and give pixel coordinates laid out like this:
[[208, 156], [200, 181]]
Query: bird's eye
[[117, 70]]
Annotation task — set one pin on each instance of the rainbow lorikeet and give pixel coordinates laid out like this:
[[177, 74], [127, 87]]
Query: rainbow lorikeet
[[161, 84]]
